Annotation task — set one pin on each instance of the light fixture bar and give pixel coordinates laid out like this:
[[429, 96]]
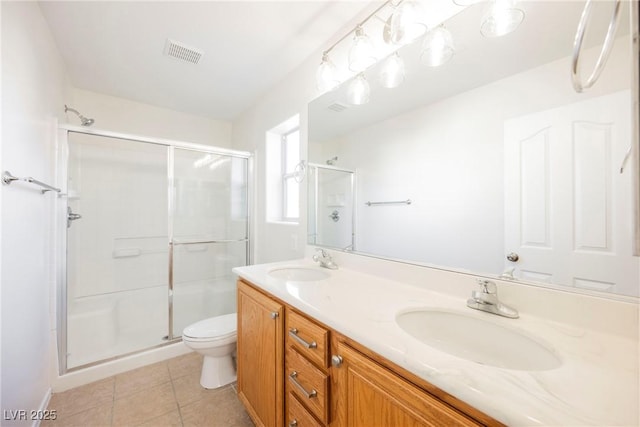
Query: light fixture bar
[[364, 21]]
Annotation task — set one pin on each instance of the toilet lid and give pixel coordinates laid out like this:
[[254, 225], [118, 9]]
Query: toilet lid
[[213, 327]]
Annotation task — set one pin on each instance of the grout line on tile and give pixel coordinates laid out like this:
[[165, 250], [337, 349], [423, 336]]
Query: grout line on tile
[[175, 397], [113, 401]]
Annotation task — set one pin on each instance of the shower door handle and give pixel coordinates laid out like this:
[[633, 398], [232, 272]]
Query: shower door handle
[[71, 216]]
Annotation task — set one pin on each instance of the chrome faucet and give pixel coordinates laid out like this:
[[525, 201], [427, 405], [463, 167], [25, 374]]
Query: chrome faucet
[[486, 299], [323, 258]]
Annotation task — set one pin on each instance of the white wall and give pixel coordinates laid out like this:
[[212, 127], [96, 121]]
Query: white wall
[[34, 89], [126, 116], [274, 241]]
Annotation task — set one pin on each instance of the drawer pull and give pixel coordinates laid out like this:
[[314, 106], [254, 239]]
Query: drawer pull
[[293, 332], [274, 315], [292, 378], [293, 423]]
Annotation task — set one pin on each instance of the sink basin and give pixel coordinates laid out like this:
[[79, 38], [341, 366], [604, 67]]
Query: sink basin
[[298, 274], [477, 340]]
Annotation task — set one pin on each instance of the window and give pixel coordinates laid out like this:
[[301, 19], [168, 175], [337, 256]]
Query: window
[[282, 172], [290, 186]]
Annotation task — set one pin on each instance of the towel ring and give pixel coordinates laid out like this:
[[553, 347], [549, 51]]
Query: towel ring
[[604, 53]]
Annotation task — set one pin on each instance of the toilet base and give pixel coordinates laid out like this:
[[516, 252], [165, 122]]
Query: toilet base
[[217, 371]]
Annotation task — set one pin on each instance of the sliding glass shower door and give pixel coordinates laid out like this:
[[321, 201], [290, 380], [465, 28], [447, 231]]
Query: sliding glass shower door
[[209, 234], [153, 231], [117, 254]]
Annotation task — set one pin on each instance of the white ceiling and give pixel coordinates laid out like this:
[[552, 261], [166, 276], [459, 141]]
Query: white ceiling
[[116, 48]]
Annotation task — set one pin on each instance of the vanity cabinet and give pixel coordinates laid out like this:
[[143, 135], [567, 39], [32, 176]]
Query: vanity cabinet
[[328, 379], [260, 356]]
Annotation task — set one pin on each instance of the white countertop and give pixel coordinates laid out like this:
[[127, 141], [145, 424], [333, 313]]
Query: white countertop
[[597, 383]]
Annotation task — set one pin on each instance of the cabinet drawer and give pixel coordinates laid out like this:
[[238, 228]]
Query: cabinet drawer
[[308, 338], [308, 383], [297, 415]]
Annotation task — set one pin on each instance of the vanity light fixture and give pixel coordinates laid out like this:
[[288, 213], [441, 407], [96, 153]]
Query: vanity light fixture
[[437, 47], [359, 90], [404, 22], [502, 17], [362, 54], [327, 75], [392, 74]]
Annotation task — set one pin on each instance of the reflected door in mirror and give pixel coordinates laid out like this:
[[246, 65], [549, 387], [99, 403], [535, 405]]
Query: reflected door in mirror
[[567, 207]]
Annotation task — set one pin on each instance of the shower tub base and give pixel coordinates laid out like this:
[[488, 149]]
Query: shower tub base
[[113, 367], [105, 326], [114, 333]]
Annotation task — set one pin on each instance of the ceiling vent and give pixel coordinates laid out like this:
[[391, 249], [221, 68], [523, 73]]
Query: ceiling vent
[[181, 51], [337, 107]]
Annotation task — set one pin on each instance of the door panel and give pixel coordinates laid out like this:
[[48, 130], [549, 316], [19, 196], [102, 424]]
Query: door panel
[[203, 284], [260, 356], [367, 394], [209, 196], [117, 257], [568, 209], [209, 234]]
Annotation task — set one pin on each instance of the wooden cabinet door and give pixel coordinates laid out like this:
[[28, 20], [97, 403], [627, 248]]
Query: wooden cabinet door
[[260, 356], [368, 394]]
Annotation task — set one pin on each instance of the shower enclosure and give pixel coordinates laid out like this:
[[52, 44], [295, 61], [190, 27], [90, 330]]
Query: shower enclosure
[[153, 229], [331, 206]]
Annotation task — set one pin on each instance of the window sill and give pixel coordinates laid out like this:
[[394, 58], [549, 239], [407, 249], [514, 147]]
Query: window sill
[[283, 223]]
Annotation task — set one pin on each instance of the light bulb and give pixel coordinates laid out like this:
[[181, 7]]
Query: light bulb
[[362, 54], [326, 75], [502, 18], [359, 90], [392, 73], [437, 47], [407, 23]]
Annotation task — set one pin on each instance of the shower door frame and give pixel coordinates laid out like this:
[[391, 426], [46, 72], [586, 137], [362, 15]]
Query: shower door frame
[[60, 221]]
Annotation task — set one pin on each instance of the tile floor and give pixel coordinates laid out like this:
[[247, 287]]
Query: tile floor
[[163, 394]]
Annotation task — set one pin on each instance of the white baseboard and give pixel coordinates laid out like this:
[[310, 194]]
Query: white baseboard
[[44, 404]]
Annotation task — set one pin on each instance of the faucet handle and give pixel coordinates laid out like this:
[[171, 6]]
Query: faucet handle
[[321, 255], [508, 274], [322, 252], [323, 258], [487, 286]]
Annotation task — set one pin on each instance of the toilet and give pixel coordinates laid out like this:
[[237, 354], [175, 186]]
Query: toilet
[[215, 339]]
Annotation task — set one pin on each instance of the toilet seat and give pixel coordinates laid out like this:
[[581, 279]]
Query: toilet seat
[[212, 329]]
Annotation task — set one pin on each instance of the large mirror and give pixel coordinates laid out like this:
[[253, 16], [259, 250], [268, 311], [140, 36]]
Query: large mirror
[[492, 163]]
